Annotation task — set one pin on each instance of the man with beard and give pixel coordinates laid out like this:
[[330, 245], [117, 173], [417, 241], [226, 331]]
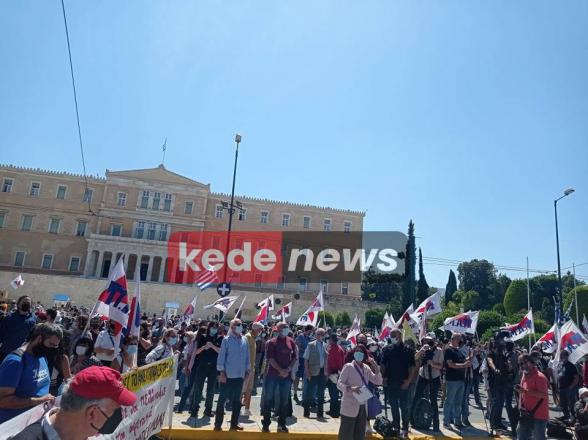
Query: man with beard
[[15, 327], [24, 374]]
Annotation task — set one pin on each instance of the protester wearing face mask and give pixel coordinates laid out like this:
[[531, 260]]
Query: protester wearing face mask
[[233, 367], [203, 363], [302, 341], [251, 338], [567, 382], [354, 376], [315, 373], [90, 405], [399, 369], [581, 415], [24, 374], [534, 398], [165, 348], [83, 356], [15, 327], [105, 346], [127, 358], [281, 353], [430, 361]]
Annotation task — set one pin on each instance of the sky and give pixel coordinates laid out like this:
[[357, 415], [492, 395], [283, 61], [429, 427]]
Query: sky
[[468, 117]]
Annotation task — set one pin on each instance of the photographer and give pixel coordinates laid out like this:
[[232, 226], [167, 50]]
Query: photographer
[[501, 381], [430, 361]]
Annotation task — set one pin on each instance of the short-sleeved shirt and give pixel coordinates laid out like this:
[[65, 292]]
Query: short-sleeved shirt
[[29, 376], [456, 356], [397, 361], [302, 341], [282, 351], [566, 372], [208, 356], [105, 340], [536, 382]]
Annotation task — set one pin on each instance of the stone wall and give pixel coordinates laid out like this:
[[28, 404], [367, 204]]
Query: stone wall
[[85, 291]]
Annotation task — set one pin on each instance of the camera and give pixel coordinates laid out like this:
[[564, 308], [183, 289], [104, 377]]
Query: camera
[[428, 355]]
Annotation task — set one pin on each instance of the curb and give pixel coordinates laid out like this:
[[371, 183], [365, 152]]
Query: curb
[[194, 433]]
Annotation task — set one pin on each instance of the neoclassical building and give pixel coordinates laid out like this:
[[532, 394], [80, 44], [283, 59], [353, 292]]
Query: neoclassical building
[[54, 222]]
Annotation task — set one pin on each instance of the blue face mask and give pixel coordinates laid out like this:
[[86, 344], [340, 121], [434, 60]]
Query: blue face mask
[[358, 356], [213, 331], [131, 349], [285, 331], [172, 341], [239, 329]]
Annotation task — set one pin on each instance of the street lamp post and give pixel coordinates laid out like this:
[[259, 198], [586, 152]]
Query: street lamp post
[[231, 205], [566, 193]]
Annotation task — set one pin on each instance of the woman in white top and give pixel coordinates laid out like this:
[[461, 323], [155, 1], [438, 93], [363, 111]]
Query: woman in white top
[[105, 346], [352, 379], [165, 348]]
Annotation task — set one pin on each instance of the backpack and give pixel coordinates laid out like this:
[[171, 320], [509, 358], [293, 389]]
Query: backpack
[[422, 415], [385, 428], [557, 429]]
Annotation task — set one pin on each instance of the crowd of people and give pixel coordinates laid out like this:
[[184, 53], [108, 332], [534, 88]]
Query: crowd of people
[[44, 350]]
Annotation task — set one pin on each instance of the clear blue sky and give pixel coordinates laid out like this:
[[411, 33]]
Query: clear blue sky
[[469, 117]]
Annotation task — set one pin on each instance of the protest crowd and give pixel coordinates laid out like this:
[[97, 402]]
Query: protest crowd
[[389, 380]]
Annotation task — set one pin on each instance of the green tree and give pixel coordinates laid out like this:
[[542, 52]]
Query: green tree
[[329, 318], [582, 292], [515, 298], [499, 288], [374, 317], [499, 308], [470, 300], [422, 286], [451, 286], [408, 293], [489, 320], [478, 275], [342, 319], [381, 287]]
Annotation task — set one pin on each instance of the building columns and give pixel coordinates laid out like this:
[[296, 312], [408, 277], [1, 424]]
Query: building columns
[[150, 268], [100, 263], [137, 274], [89, 262], [162, 269]]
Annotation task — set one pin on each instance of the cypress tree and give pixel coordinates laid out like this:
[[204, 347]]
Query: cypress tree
[[451, 286]]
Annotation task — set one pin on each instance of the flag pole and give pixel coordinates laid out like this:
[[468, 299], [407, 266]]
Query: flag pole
[[576, 295], [528, 298]]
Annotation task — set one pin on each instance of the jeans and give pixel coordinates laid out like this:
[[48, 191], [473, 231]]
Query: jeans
[[535, 427], [434, 386], [315, 388], [476, 385], [275, 393], [465, 405], [452, 407], [187, 389], [204, 372], [567, 400], [501, 397], [399, 402], [334, 399], [230, 390]]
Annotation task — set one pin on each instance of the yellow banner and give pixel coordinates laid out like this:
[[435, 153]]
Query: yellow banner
[[148, 374]]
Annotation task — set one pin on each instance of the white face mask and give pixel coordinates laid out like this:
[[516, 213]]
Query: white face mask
[[80, 350], [393, 341], [373, 348]]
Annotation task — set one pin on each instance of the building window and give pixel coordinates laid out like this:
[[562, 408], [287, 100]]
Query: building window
[[2, 219], [7, 185], [156, 199], [35, 189], [145, 200], [325, 286], [302, 284], [116, 230], [140, 230], [61, 190], [47, 261], [54, 225], [167, 204], [285, 219], [264, 219], [188, 207], [74, 264], [19, 259], [27, 222], [151, 231], [242, 214], [258, 280], [163, 233], [122, 199], [306, 222], [81, 228], [88, 192], [281, 283], [327, 224], [347, 226], [218, 213], [344, 288]]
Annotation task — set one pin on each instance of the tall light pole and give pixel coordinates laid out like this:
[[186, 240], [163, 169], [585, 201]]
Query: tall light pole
[[566, 193], [231, 206]]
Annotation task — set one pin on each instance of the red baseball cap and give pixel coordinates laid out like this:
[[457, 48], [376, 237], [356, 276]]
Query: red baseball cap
[[102, 383]]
